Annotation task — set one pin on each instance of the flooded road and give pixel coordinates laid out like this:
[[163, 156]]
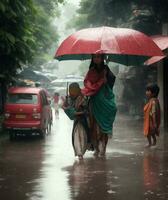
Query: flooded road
[[35, 169]]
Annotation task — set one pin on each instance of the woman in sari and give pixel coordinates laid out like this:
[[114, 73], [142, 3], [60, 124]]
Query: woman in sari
[[98, 85]]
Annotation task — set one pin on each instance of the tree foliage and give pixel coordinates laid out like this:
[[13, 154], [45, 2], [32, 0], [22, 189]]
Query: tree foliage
[[145, 15], [44, 31], [50, 6], [16, 34], [26, 32]]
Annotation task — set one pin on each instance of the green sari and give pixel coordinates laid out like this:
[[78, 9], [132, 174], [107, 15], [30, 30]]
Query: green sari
[[104, 109]]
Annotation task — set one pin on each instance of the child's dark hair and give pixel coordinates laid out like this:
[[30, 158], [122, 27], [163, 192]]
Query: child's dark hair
[[74, 85], [154, 88]]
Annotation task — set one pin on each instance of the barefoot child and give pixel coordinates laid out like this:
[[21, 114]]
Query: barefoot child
[[75, 107], [152, 114]]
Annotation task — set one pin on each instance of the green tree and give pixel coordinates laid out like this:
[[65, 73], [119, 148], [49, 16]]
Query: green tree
[[145, 15], [26, 32], [16, 36], [45, 34], [50, 6]]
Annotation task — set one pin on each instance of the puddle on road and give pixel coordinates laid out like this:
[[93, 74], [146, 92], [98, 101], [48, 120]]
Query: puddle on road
[[119, 152]]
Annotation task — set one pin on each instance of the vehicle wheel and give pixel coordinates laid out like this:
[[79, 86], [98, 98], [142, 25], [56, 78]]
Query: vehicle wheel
[[12, 135], [43, 133]]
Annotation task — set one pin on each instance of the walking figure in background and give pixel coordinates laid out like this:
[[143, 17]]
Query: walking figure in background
[[152, 114], [75, 106], [56, 103], [98, 86]]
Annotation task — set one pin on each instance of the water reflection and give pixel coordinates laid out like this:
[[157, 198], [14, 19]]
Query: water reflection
[[151, 165], [20, 164], [58, 153], [34, 169], [155, 174], [88, 179]]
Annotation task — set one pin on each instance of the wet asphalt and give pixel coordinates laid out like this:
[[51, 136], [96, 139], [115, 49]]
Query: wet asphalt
[[36, 169]]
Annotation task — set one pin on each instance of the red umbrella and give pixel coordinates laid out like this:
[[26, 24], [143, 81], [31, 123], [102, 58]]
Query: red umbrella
[[162, 42], [125, 46], [154, 59]]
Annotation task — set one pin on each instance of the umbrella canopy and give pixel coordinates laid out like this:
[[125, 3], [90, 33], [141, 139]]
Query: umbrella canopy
[[67, 80], [154, 59], [33, 75], [125, 46], [63, 83], [162, 42]]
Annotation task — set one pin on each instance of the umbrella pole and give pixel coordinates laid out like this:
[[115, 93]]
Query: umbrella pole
[[67, 94], [67, 90]]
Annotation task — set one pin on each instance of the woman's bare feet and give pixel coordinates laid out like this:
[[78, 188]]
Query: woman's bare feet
[[102, 154], [96, 153], [147, 145]]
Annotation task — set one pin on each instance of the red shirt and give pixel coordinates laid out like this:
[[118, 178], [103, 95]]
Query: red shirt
[[56, 99]]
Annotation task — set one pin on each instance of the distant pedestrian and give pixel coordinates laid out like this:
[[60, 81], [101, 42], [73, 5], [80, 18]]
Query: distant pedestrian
[[152, 114], [56, 103]]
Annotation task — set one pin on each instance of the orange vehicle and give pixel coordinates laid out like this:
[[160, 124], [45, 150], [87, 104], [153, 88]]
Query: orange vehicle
[[27, 111]]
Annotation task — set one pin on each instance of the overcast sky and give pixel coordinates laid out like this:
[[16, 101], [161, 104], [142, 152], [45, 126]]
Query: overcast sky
[[73, 1], [67, 12]]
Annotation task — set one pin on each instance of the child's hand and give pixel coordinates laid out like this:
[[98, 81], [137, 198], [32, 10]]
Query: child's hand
[[79, 113], [63, 98], [64, 105]]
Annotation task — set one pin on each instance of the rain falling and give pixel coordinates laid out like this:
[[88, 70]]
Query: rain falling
[[83, 100]]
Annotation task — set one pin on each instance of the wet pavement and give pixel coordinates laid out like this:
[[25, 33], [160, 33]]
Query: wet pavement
[[35, 169]]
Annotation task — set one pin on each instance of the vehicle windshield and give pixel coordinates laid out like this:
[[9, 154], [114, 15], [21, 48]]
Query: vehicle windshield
[[22, 98]]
